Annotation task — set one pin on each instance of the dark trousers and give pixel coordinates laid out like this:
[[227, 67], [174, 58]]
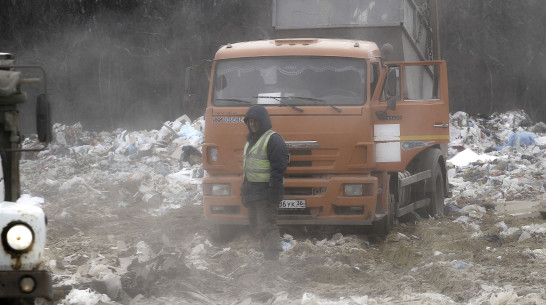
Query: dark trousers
[[262, 215]]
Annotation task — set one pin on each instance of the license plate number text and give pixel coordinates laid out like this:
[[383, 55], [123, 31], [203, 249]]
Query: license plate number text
[[292, 204]]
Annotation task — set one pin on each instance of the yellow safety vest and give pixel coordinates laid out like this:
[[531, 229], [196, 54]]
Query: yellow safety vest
[[256, 166]]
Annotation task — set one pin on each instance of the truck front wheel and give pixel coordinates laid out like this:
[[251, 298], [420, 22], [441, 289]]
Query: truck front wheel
[[384, 226], [437, 197]]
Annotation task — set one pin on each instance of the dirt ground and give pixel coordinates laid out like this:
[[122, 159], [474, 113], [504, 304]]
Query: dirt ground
[[100, 230]]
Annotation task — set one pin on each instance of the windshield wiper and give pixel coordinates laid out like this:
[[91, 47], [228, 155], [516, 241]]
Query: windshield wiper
[[315, 101], [279, 99], [233, 100]]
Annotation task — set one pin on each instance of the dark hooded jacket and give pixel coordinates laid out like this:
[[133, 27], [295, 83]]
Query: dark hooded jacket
[[277, 153]]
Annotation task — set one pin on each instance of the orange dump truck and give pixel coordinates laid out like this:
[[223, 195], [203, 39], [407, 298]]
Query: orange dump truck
[[367, 138]]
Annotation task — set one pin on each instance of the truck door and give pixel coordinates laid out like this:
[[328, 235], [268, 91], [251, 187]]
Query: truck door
[[411, 112]]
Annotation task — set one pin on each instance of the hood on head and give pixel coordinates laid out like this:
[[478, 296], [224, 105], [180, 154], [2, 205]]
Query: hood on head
[[259, 113]]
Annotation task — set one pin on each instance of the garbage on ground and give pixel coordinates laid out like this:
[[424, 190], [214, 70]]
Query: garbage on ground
[[85, 297], [462, 265], [143, 162], [498, 158], [157, 172]]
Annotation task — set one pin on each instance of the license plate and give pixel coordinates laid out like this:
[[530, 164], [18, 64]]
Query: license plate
[[292, 204]]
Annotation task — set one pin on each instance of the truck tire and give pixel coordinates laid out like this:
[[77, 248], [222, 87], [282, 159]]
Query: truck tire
[[385, 225], [434, 189], [437, 197]]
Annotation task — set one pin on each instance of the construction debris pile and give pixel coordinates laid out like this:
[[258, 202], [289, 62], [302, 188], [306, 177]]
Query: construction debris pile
[[106, 193]]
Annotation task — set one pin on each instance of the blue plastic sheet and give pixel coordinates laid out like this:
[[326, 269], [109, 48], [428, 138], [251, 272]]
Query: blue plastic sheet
[[188, 132], [524, 138]]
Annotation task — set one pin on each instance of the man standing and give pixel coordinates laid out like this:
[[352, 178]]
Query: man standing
[[264, 163]]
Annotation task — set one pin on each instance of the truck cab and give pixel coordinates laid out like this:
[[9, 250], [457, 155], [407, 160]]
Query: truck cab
[[366, 127], [351, 122], [23, 226]]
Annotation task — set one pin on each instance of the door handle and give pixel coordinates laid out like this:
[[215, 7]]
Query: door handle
[[441, 125]]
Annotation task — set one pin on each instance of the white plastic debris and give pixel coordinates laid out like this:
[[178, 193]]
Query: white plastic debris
[[467, 156], [144, 252], [535, 228], [504, 298], [32, 200], [183, 176], [502, 225], [524, 235], [85, 297], [71, 184], [198, 250]]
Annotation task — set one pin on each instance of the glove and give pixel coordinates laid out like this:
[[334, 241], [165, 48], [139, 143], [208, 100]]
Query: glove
[[274, 194]]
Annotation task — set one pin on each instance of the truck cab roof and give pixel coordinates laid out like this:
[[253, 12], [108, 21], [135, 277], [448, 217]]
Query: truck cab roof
[[300, 47]]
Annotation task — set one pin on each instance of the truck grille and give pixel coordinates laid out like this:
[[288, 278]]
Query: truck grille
[[300, 164], [319, 157], [299, 152]]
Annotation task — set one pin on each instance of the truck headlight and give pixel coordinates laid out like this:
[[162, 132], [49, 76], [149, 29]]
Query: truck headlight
[[18, 237], [353, 190], [27, 284]]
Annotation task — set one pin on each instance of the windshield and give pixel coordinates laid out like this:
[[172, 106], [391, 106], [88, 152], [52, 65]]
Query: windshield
[[292, 81]]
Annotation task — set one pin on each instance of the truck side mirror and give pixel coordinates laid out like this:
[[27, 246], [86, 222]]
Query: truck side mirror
[[43, 118], [392, 87]]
